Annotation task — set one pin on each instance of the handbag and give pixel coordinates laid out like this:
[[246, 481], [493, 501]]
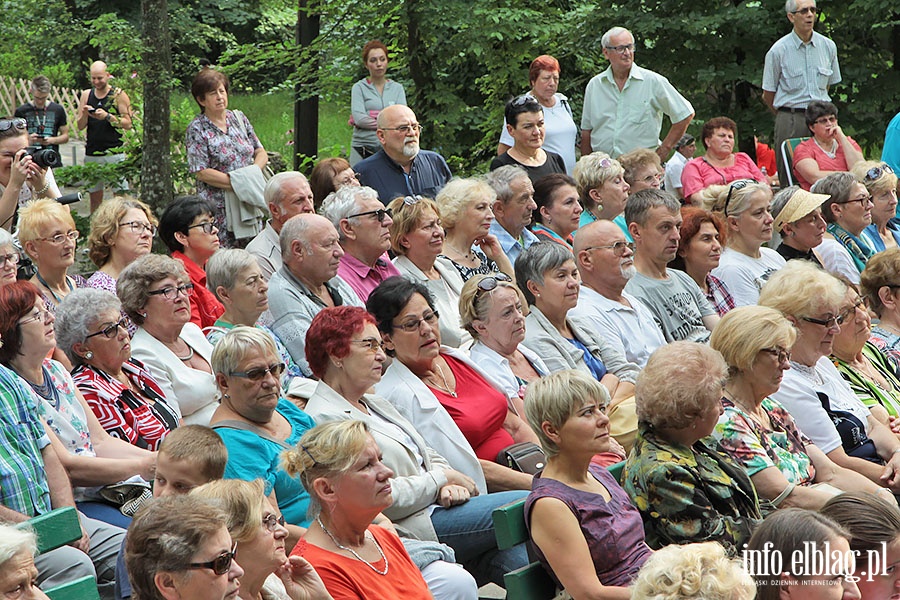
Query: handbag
[[525, 457], [128, 497]]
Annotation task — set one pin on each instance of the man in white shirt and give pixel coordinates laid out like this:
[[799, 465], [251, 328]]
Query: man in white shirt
[[684, 151]]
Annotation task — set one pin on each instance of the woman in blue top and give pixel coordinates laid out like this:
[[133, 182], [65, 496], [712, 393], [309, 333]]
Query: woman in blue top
[[370, 95], [558, 209]]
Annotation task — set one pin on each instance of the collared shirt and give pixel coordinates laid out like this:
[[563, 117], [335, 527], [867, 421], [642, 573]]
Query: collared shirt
[[498, 366], [428, 174], [267, 250], [718, 295], [620, 121], [801, 72], [23, 482], [544, 233], [363, 278], [512, 247], [205, 307], [790, 253]]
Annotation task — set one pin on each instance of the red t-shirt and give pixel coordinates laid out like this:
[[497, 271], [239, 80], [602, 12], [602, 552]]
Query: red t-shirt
[[479, 411], [809, 149]]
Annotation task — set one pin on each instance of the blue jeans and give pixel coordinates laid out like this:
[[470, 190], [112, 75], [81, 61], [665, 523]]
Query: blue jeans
[[104, 512], [469, 529]]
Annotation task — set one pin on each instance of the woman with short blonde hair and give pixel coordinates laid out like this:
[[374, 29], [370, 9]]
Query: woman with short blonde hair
[[881, 183], [693, 572]]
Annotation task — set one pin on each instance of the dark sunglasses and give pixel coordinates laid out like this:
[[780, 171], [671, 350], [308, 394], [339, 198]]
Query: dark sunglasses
[[257, 374], [490, 283], [18, 123], [379, 214], [220, 564], [876, 173], [736, 185]]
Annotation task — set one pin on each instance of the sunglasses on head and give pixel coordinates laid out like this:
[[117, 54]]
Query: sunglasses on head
[[876, 173], [736, 185], [490, 283], [6, 124]]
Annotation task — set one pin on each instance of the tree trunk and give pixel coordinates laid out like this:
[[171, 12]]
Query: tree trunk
[[156, 172], [306, 110]]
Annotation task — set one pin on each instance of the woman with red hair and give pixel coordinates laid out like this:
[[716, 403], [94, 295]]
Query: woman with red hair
[[699, 251]]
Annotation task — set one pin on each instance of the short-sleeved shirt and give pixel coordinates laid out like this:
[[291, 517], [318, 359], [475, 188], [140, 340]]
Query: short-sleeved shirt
[[677, 304], [512, 247], [560, 131], [800, 72], [890, 153], [718, 295], [745, 275], [674, 168], [698, 174], [427, 176], [553, 164], [887, 343], [64, 414], [810, 149], [44, 122]]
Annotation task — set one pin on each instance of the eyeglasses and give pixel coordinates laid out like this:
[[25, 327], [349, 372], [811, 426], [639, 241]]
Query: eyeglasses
[[372, 345], [138, 227], [735, 185], [41, 314], [12, 259], [60, 238], [7, 124], [379, 214], [830, 322], [862, 200], [110, 331], [806, 10], [490, 283], [848, 311], [412, 200], [826, 120], [876, 173], [405, 129], [171, 292], [258, 373], [621, 49], [618, 248], [779, 353], [414, 324], [271, 522], [220, 564], [652, 177], [206, 226]]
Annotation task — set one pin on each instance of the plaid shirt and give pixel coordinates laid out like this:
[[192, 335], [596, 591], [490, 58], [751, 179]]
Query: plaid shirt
[[23, 481], [718, 294]]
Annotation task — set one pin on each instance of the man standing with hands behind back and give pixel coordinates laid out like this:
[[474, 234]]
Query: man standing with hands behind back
[[104, 110]]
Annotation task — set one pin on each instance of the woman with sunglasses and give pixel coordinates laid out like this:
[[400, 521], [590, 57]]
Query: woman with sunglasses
[[745, 265], [881, 183], [829, 150], [121, 392], [21, 179], [699, 252], [155, 292]]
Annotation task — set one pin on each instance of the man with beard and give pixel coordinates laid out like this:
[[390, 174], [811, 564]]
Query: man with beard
[[605, 261], [400, 168], [47, 123]]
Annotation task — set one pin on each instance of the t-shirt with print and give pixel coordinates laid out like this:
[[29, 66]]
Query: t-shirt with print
[[677, 304]]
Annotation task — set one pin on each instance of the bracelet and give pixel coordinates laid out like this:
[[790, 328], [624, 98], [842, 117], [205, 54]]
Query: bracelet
[[784, 494], [43, 190]]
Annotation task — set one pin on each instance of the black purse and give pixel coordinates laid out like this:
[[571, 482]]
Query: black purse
[[526, 457]]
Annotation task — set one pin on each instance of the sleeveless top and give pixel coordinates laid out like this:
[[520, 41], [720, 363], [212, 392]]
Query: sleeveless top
[[101, 136]]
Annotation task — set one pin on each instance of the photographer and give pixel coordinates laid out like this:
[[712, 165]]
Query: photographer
[[47, 123], [22, 178]]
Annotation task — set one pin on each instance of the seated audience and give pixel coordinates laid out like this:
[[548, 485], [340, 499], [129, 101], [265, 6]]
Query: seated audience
[[686, 486], [155, 292], [584, 527], [693, 572], [525, 124], [558, 210], [513, 207], [426, 489], [878, 284], [120, 391], [720, 165], [602, 189], [881, 183], [643, 169], [848, 211], [329, 175], [799, 223], [786, 467], [745, 264], [417, 240], [9, 258], [703, 236], [470, 244], [684, 151], [188, 229], [829, 150], [18, 575]]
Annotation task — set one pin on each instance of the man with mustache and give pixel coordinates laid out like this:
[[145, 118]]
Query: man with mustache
[[401, 168]]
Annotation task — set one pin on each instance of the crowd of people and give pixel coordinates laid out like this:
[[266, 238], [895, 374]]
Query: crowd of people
[[328, 384]]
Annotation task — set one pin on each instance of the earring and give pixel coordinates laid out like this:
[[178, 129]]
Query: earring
[[143, 315], [88, 355], [226, 397]]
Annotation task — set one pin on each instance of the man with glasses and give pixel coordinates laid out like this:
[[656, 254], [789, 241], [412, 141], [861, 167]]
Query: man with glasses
[[799, 68], [47, 123], [624, 105], [401, 168], [605, 260]]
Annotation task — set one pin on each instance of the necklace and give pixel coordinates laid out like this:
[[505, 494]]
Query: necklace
[[753, 413], [56, 298], [467, 255], [188, 357], [832, 153], [353, 552], [445, 388]]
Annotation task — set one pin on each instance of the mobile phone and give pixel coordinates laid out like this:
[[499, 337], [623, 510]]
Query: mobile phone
[[91, 109]]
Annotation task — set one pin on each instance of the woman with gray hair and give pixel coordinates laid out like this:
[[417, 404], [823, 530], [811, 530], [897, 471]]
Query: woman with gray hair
[[848, 212], [155, 292], [9, 258], [121, 392], [602, 189], [18, 575]]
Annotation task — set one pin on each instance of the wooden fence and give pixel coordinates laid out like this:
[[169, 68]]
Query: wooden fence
[[15, 92]]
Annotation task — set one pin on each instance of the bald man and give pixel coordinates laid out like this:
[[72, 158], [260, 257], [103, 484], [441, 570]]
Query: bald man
[[104, 110], [401, 168]]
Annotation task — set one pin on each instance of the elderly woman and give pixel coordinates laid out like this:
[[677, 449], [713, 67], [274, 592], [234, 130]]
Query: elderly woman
[[720, 165], [821, 402], [329, 175], [119, 390], [432, 501], [878, 284], [828, 151], [525, 124], [848, 211], [368, 97], [9, 258], [460, 410], [792, 531], [684, 151], [466, 215], [122, 230], [18, 575], [219, 141], [686, 486], [558, 212], [256, 423], [340, 466], [745, 265], [561, 132], [48, 236], [584, 528], [155, 292], [799, 223], [784, 465], [602, 189], [187, 227], [90, 455], [258, 531], [643, 169], [417, 240], [21, 179], [235, 278], [693, 572], [881, 183], [699, 252]]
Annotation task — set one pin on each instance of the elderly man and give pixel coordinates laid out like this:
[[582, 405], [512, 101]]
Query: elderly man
[[624, 105], [48, 125], [400, 168], [678, 306], [307, 282], [364, 227], [605, 260], [512, 209], [799, 68], [288, 194]]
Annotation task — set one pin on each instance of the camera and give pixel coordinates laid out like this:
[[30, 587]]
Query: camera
[[44, 157]]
